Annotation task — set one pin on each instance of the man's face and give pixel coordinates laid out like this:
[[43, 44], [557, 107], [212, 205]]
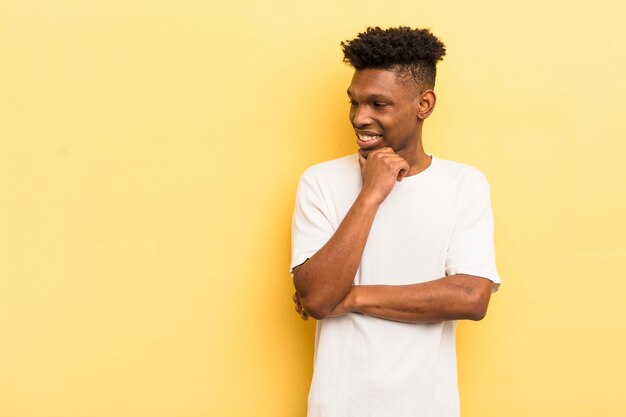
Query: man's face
[[383, 112]]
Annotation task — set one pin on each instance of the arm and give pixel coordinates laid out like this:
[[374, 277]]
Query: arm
[[455, 297], [324, 279]]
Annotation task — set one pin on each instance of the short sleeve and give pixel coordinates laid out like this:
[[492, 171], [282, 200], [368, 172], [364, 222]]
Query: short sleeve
[[311, 227], [471, 250]]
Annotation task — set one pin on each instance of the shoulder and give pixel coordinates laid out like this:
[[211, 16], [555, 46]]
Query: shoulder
[[461, 174], [332, 170]]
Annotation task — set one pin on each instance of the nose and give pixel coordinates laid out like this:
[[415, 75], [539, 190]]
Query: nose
[[360, 116]]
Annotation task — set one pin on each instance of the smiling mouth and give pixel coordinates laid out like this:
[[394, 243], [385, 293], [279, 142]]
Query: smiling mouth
[[368, 141], [369, 138]]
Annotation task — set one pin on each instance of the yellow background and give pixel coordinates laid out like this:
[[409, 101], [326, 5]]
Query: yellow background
[[149, 155]]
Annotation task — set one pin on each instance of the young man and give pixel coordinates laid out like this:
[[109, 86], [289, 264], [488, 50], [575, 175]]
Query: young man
[[390, 246]]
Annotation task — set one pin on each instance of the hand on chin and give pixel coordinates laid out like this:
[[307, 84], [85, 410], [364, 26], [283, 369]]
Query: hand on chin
[[365, 152]]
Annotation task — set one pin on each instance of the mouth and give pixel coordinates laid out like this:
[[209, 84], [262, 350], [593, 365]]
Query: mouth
[[368, 140]]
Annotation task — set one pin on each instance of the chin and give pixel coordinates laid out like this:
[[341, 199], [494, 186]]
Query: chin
[[365, 152]]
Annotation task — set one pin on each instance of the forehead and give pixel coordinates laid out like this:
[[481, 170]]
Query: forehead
[[377, 82]]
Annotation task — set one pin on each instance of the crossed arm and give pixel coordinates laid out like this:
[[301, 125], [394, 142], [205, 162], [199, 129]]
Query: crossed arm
[[455, 297], [324, 282]]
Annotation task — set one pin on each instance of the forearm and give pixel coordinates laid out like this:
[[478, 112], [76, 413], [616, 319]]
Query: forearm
[[325, 279], [455, 297]]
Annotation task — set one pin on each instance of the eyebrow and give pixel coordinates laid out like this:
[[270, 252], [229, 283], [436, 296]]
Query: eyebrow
[[373, 96]]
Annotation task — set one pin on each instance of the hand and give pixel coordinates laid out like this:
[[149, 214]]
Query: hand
[[380, 171], [299, 309]]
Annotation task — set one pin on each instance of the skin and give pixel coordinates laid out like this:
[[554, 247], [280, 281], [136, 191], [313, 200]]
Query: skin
[[383, 104]]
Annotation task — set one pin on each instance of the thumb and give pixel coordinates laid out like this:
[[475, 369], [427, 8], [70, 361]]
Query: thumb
[[361, 160], [402, 173]]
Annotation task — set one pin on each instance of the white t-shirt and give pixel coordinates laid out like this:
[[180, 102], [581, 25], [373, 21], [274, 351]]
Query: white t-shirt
[[436, 223]]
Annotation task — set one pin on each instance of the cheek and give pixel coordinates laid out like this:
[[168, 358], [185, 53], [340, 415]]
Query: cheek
[[401, 128], [409, 121]]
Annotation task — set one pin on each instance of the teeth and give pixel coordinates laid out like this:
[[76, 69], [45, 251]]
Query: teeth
[[365, 138]]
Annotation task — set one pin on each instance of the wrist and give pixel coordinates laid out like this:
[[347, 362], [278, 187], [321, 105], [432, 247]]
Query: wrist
[[351, 301], [369, 199]]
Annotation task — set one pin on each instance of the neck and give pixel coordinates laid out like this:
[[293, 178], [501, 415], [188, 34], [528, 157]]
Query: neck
[[416, 157]]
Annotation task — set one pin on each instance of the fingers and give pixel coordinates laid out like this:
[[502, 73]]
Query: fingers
[[382, 151], [403, 171], [380, 171], [395, 161], [298, 308]]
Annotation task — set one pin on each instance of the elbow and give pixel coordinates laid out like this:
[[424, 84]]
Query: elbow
[[477, 314], [476, 294], [477, 307], [315, 308], [312, 302]]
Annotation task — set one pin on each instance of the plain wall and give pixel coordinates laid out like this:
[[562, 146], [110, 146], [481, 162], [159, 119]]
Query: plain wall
[[149, 157]]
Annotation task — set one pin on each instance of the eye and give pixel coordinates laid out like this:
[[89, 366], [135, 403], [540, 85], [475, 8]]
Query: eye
[[379, 104], [352, 102]]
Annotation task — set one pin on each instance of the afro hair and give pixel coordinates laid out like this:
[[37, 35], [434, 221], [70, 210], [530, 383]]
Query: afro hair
[[412, 53]]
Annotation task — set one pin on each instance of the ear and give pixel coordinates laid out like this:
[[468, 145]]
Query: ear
[[426, 104]]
